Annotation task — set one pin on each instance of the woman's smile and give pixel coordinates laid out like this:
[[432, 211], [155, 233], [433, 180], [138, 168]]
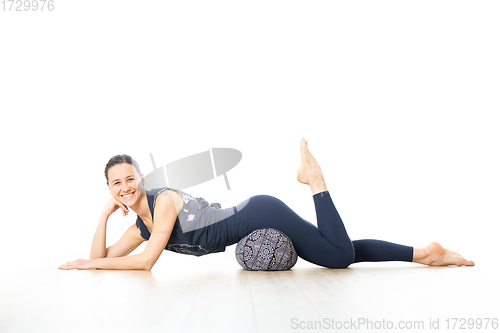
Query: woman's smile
[[128, 196]]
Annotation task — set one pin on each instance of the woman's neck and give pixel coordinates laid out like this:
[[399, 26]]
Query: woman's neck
[[141, 208]]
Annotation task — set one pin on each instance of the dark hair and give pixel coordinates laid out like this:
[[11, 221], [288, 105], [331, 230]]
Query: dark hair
[[119, 159]]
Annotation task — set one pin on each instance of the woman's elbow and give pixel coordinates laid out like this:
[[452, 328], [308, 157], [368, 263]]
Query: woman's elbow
[[100, 255], [148, 263]]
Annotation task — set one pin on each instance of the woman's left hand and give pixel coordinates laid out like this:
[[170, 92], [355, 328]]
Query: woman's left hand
[[77, 264]]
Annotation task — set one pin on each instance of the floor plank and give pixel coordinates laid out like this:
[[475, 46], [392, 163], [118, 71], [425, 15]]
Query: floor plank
[[214, 294]]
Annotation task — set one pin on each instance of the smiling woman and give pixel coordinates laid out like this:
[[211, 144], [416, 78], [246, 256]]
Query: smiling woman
[[127, 191], [173, 220]]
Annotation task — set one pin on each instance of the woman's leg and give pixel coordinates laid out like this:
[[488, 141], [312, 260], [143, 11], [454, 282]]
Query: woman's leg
[[311, 243], [328, 244], [378, 250], [329, 222], [331, 226]]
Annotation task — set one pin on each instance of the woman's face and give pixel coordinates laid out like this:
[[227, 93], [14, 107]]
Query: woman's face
[[124, 183]]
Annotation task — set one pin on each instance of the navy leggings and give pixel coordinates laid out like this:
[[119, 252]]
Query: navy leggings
[[327, 245]]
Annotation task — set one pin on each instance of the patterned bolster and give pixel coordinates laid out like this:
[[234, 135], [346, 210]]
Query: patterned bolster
[[266, 250]]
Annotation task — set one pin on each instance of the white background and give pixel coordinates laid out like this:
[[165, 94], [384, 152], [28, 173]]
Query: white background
[[398, 100]]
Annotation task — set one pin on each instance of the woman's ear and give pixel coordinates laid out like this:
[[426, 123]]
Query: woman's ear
[[142, 181]]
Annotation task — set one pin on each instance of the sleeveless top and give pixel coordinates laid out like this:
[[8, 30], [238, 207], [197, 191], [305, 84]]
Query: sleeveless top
[[199, 229]]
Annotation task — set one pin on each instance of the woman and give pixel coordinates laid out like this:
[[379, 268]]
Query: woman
[[173, 220]]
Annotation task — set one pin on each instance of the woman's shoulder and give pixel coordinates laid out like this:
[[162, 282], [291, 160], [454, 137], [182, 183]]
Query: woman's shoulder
[[168, 196]]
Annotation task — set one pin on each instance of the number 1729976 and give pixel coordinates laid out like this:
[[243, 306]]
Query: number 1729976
[[27, 5]]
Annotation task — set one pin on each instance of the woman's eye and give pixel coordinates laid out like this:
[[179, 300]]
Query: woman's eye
[[131, 179]]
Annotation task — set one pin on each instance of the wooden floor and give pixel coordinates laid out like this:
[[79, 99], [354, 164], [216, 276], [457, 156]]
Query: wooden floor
[[214, 294]]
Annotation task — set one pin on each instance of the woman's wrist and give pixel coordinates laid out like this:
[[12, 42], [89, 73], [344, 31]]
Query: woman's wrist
[[104, 217]]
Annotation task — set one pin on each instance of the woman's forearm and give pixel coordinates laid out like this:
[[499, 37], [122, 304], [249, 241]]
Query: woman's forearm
[[98, 249], [129, 262]]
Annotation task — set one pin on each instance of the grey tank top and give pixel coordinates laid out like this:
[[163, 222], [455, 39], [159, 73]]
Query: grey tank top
[[200, 228]]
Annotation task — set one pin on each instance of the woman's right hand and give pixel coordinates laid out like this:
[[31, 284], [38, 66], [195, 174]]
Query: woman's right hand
[[113, 205]]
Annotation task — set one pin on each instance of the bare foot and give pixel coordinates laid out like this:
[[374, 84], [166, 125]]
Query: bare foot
[[436, 255], [309, 171]]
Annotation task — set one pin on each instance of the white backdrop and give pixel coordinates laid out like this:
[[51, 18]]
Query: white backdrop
[[399, 102]]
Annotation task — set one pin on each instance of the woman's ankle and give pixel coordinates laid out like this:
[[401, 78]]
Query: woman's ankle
[[419, 256], [318, 188]]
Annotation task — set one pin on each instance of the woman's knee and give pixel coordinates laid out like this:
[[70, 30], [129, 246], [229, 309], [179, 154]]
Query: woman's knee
[[343, 258]]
